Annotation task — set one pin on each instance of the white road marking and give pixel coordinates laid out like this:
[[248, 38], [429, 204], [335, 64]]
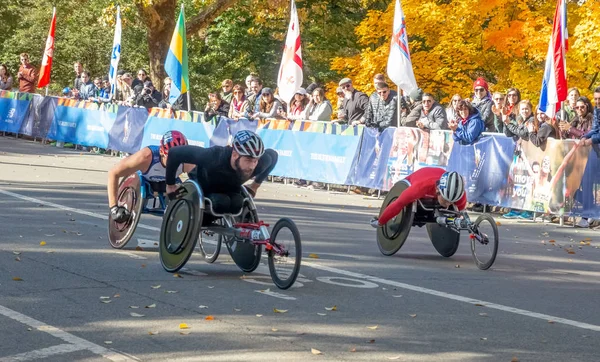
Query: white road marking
[[133, 256], [348, 282], [313, 265], [275, 294], [79, 343], [43, 353]]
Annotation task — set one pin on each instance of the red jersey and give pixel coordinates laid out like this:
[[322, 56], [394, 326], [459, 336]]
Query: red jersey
[[423, 185]]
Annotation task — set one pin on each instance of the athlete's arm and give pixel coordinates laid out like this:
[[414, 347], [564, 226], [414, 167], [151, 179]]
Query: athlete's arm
[[192, 155], [412, 193], [462, 203], [139, 161]]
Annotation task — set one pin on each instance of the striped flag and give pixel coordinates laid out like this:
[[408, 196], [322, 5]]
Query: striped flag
[[176, 64], [399, 66], [554, 85], [46, 68], [115, 55]]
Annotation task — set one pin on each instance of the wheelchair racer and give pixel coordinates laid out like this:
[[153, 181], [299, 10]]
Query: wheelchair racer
[[222, 170], [151, 161], [427, 183]]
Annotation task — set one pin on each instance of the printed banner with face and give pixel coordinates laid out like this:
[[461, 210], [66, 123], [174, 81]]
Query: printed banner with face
[[408, 154]]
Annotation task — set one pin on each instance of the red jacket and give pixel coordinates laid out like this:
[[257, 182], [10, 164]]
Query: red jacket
[[423, 185], [28, 80]]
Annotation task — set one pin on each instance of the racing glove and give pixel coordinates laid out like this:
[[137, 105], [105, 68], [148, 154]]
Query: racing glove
[[119, 214], [375, 222]]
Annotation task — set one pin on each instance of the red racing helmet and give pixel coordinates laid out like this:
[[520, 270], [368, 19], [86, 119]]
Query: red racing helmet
[[172, 139]]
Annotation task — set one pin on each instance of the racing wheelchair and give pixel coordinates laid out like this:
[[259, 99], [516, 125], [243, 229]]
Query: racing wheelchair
[[443, 227], [135, 194], [242, 232]]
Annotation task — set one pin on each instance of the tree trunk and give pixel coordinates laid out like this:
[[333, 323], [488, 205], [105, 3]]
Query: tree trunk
[[159, 19]]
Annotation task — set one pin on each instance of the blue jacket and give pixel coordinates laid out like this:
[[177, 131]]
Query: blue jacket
[[470, 131], [594, 134]]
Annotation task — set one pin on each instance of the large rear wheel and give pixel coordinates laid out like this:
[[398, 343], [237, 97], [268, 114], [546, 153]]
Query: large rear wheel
[[391, 236]]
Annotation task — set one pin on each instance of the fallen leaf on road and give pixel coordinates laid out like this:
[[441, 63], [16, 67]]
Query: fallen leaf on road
[[551, 322], [259, 315], [332, 308], [171, 291], [514, 359], [274, 329], [107, 342], [210, 286], [143, 265], [551, 241], [202, 307], [413, 315], [139, 248], [176, 275], [184, 333], [42, 243], [50, 251], [210, 318], [153, 333], [322, 314], [17, 252], [397, 296], [137, 315], [498, 223], [395, 357], [183, 326], [587, 239], [48, 234], [17, 279], [237, 310], [18, 258], [315, 351], [133, 307], [150, 306], [372, 327], [478, 305], [457, 266], [117, 296], [105, 301], [275, 310], [155, 286], [483, 314], [353, 349], [104, 297], [371, 341], [314, 256], [483, 339]]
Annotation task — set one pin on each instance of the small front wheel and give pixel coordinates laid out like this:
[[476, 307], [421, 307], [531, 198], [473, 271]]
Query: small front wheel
[[209, 244], [484, 241], [285, 253]]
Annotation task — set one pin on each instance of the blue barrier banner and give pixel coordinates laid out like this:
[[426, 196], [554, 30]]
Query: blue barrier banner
[[227, 127], [311, 156], [370, 162], [587, 197], [128, 130], [12, 113], [484, 165], [197, 133], [83, 126]]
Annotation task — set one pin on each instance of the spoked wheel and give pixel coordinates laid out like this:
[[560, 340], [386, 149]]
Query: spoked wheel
[[284, 264], [209, 243], [130, 197], [180, 227], [245, 254], [484, 241], [392, 235]]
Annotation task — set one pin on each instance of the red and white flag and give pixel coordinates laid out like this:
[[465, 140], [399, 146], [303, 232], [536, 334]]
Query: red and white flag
[[290, 72], [48, 53], [399, 67]]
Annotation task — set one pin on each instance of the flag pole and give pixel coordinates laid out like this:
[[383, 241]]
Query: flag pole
[[399, 107]]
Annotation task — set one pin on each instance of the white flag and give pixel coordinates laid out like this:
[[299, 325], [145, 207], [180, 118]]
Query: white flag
[[115, 55], [399, 67], [290, 72]]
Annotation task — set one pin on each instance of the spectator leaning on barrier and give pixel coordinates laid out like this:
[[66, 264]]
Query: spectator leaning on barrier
[[256, 86], [297, 106], [543, 128], [429, 115], [28, 75], [593, 136], [181, 103], [226, 87], [239, 103], [513, 97], [468, 128], [269, 106], [164, 103], [87, 88], [381, 113], [124, 94], [524, 123], [248, 82], [148, 96], [415, 98], [319, 108], [498, 109], [483, 102], [6, 80], [582, 122], [567, 113], [216, 107], [452, 109], [355, 103]]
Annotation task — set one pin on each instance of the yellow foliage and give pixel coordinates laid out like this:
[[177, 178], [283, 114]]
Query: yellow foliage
[[453, 43]]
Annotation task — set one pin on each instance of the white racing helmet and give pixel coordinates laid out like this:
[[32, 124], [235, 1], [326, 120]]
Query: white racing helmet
[[451, 186]]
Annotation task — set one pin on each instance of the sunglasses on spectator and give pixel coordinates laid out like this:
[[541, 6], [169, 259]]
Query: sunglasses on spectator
[[498, 99], [455, 100], [347, 85], [512, 94], [238, 92], [580, 107], [266, 94], [479, 89], [383, 92]]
